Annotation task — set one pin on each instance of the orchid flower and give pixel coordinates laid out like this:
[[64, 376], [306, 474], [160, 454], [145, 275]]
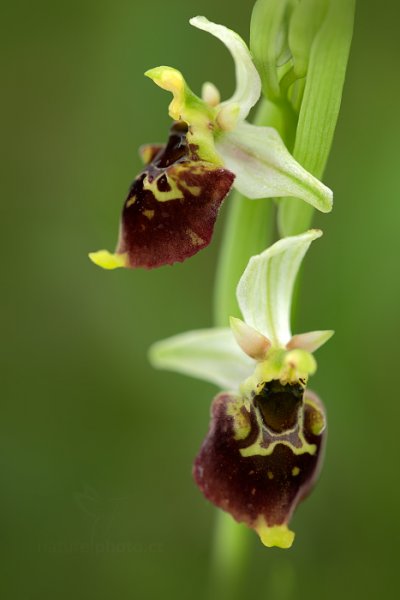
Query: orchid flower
[[172, 205], [264, 446]]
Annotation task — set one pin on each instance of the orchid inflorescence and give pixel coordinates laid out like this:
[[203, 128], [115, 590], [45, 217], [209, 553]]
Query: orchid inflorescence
[[266, 438]]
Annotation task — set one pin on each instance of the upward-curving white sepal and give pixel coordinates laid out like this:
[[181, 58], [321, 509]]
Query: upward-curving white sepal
[[248, 82], [210, 354], [264, 168], [265, 289]]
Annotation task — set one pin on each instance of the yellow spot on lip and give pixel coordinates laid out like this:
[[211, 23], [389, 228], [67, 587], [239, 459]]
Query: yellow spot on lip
[[295, 471], [241, 422], [173, 194], [149, 214], [316, 418], [195, 190], [130, 201], [270, 475], [107, 260]]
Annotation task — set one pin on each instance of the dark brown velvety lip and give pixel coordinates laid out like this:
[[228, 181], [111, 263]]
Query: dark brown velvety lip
[[156, 231], [269, 486]]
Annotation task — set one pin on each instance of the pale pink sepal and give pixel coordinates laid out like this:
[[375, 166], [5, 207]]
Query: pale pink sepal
[[310, 341], [251, 341]]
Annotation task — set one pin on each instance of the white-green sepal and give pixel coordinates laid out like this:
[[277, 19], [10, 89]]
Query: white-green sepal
[[265, 289], [264, 168], [248, 82], [209, 354]]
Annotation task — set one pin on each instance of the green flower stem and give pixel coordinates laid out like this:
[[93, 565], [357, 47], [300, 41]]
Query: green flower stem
[[230, 558]]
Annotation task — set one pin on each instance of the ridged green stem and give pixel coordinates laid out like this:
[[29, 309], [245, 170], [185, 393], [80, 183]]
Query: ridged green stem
[[229, 561]]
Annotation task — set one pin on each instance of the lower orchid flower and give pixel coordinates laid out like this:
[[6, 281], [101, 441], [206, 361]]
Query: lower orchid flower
[[172, 205], [265, 443]]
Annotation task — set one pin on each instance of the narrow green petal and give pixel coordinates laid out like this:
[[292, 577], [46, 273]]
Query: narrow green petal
[[248, 83], [209, 354], [265, 289], [264, 168]]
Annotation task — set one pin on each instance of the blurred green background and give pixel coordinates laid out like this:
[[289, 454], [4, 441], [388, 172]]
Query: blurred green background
[[96, 449]]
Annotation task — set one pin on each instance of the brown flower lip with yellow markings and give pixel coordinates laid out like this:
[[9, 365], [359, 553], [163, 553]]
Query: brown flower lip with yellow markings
[[172, 206], [260, 460]]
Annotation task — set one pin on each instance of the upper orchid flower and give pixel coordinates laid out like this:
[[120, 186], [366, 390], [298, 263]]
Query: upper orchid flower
[[172, 205], [264, 447]]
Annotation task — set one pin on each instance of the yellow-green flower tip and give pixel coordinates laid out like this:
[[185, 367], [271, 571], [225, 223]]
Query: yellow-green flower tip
[[277, 535], [171, 80], [108, 260], [167, 78]]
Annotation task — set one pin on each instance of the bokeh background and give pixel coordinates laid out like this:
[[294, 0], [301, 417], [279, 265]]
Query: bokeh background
[[97, 499]]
